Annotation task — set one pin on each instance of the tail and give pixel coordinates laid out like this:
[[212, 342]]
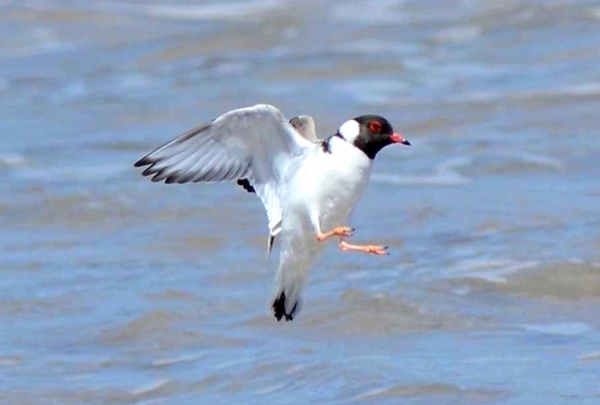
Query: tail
[[280, 310]]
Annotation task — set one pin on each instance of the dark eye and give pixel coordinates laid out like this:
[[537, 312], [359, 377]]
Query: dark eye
[[375, 126]]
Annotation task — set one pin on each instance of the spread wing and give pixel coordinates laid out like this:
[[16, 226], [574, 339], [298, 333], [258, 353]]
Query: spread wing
[[254, 143]]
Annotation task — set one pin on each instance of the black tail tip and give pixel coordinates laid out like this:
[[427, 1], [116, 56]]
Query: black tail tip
[[279, 309]]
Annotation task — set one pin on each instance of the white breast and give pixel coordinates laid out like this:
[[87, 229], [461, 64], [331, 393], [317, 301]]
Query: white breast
[[333, 182]]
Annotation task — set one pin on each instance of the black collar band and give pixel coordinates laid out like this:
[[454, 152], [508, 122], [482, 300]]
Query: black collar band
[[325, 143]]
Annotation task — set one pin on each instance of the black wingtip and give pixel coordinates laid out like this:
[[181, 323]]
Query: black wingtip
[[149, 171], [145, 161], [279, 309]]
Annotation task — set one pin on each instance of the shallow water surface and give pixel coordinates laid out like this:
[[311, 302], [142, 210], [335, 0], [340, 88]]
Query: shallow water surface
[[116, 290]]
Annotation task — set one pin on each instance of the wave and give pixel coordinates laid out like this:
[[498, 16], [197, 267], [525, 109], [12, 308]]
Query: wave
[[445, 174]]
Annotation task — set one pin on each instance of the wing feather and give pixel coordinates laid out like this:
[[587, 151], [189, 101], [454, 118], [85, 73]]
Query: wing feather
[[255, 143], [305, 125]]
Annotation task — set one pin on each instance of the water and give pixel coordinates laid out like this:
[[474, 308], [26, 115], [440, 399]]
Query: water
[[115, 290]]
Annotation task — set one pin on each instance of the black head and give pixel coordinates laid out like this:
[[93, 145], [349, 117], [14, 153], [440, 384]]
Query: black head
[[370, 134]]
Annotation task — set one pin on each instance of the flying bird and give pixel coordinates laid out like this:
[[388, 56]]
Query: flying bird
[[308, 186]]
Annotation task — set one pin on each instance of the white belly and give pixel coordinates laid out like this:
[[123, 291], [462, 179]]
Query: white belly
[[335, 194], [330, 185]]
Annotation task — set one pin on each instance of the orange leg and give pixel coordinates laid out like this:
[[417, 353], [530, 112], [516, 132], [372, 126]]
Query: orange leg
[[374, 249], [341, 231]]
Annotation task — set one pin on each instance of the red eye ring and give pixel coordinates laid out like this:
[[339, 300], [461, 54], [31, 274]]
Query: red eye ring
[[375, 126]]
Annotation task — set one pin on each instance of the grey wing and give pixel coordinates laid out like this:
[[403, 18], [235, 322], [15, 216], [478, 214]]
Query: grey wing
[[255, 143], [305, 125]]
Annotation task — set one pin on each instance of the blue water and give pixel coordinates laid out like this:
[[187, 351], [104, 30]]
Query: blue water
[[115, 290]]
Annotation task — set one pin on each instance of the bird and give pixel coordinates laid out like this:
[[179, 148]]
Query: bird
[[308, 186]]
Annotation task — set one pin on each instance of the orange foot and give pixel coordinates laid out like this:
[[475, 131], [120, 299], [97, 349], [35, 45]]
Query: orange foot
[[374, 249], [341, 231]]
